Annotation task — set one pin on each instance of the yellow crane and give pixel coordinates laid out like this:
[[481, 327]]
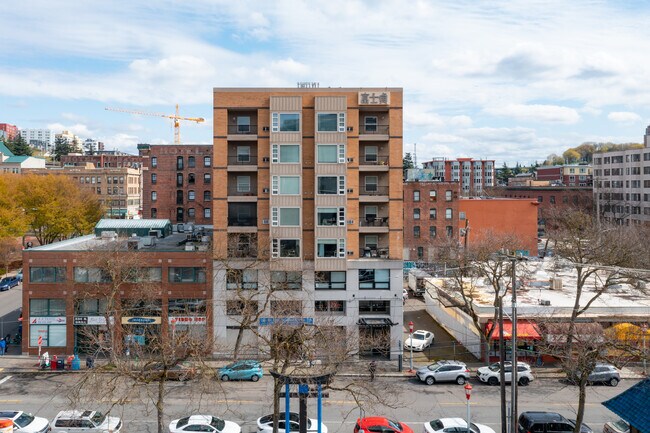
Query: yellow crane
[[175, 117]]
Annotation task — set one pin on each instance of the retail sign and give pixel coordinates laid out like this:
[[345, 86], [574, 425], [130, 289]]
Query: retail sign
[[47, 321], [291, 321], [141, 321], [91, 320], [374, 98], [188, 320]]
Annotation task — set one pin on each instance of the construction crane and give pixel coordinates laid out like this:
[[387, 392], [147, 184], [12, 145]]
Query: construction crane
[[175, 117]]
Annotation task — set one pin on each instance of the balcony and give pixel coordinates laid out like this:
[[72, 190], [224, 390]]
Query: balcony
[[242, 125], [242, 162], [373, 129], [242, 246], [372, 224], [242, 187], [242, 129], [373, 253], [242, 217]]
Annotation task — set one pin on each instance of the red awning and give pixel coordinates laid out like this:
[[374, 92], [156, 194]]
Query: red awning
[[525, 330]]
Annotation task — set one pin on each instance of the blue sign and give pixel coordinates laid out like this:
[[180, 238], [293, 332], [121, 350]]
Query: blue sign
[[141, 320], [292, 321], [409, 265], [303, 389]]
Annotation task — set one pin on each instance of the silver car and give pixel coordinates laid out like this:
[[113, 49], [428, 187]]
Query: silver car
[[444, 371]]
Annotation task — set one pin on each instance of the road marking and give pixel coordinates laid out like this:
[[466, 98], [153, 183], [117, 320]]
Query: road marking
[[5, 379], [11, 401]]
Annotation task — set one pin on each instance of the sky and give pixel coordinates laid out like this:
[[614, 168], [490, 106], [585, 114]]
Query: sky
[[507, 80]]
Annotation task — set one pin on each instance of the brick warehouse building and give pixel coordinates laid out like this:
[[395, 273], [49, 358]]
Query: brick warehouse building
[[308, 189], [177, 182], [103, 159], [430, 217], [62, 287]]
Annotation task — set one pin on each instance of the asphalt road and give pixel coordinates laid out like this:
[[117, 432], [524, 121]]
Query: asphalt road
[[414, 403], [10, 303]]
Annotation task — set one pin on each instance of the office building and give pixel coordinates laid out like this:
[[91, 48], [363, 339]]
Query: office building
[[566, 175], [42, 139], [474, 175]]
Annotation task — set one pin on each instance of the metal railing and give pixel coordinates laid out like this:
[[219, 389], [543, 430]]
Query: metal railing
[[374, 222], [242, 221], [234, 191], [373, 160], [242, 160], [373, 190], [242, 129], [376, 253], [373, 129]]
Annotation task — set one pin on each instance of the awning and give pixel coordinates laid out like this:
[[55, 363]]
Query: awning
[[371, 322], [525, 330]]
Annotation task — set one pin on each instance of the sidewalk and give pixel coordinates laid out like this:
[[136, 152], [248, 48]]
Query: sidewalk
[[22, 364]]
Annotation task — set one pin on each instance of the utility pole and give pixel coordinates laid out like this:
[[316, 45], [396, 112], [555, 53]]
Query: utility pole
[[502, 375], [513, 382]]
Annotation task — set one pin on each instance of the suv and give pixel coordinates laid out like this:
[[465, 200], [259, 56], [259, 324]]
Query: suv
[[491, 375], [26, 422], [547, 422], [7, 283], [71, 421], [603, 373], [444, 371]]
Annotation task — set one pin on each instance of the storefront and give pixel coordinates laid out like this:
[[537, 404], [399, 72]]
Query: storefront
[[374, 337], [52, 331], [196, 327], [140, 331], [91, 335], [528, 339]]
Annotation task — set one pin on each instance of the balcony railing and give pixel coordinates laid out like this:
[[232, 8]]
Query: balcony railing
[[235, 191], [374, 222], [243, 252], [374, 160], [373, 190], [242, 160], [371, 252], [242, 222], [242, 129], [374, 129]]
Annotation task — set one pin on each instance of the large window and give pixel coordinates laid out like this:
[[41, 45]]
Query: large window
[[330, 280], [47, 307], [237, 308], [331, 307], [374, 307], [46, 275], [285, 153], [285, 122], [330, 216], [331, 122], [187, 307], [187, 275], [331, 185], [90, 307], [243, 154], [330, 248], [148, 274], [285, 216], [91, 275], [371, 154], [286, 308], [286, 185], [285, 248], [245, 279], [331, 153], [243, 183], [53, 335], [374, 279], [281, 280]]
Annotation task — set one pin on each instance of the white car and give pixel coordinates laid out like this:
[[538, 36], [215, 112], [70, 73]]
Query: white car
[[203, 423], [87, 421], [265, 424], [619, 426], [420, 341], [486, 369], [26, 422], [444, 425], [491, 375]]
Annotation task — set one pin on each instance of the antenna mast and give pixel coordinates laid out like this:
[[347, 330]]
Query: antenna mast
[[415, 155]]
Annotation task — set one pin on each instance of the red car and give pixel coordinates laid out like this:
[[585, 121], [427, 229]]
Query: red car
[[379, 424]]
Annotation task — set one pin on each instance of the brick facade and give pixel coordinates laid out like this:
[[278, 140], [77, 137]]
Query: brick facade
[[103, 160]]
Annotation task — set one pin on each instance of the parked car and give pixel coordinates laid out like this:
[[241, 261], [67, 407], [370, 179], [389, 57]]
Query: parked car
[[482, 370], [444, 371], [203, 423], [182, 371], [73, 421], [619, 426], [241, 370], [602, 373], [26, 422], [8, 282], [265, 423], [373, 424], [420, 340], [492, 376], [445, 425], [543, 422]]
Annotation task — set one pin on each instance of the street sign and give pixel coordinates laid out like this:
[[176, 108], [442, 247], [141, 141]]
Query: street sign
[[40, 340]]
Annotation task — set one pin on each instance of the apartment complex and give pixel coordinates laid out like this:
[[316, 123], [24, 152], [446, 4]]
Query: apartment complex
[[42, 139], [430, 218], [308, 200], [8, 131], [622, 184], [72, 139], [567, 175], [67, 286], [177, 182], [118, 189], [474, 175]]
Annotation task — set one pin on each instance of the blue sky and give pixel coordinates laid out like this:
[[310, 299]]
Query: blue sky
[[506, 80]]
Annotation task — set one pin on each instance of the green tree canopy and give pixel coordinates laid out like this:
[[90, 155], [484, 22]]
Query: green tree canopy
[[61, 147]]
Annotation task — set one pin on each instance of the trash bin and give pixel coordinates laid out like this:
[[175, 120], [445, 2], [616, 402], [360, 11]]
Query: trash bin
[[53, 362], [60, 364], [90, 362], [76, 363]]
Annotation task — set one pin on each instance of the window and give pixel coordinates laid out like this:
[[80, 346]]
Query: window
[[154, 212], [237, 308], [154, 162], [416, 214], [179, 179], [207, 213], [416, 231], [552, 199], [374, 307], [285, 248], [91, 275], [90, 307], [179, 196], [330, 122], [53, 335], [180, 214], [374, 279], [285, 185], [285, 122], [433, 213], [332, 307], [281, 280], [179, 163], [331, 153], [286, 308], [137, 275], [245, 279], [371, 154], [191, 213], [191, 195], [285, 216], [243, 183], [449, 213], [285, 153], [47, 307], [371, 183], [207, 161], [370, 124], [432, 232], [330, 248], [46, 275], [461, 215], [540, 198], [207, 178], [416, 195], [420, 253], [154, 178], [330, 216], [187, 275], [207, 195], [330, 185], [450, 231], [448, 195], [330, 280], [191, 178], [191, 162]]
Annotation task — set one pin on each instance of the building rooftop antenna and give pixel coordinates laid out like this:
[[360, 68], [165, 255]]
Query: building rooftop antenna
[[415, 155]]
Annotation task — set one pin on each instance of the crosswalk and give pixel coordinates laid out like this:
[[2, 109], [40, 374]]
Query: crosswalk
[[5, 378]]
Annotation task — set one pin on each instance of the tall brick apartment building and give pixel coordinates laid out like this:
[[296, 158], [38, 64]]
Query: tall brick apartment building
[[308, 190], [177, 182], [430, 217]]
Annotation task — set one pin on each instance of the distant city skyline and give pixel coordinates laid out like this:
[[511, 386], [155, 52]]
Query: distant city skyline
[[509, 81]]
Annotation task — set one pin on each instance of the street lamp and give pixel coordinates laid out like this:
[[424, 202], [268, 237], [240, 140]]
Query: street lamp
[[468, 394], [411, 345], [644, 328]]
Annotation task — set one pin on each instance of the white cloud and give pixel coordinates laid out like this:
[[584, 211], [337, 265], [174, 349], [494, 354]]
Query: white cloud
[[623, 117], [77, 129], [536, 113]]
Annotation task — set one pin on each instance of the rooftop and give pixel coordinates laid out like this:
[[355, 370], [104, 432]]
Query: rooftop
[[177, 242]]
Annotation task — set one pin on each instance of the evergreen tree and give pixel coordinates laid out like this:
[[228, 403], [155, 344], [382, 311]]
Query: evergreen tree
[[19, 146], [407, 162], [61, 147], [504, 174]]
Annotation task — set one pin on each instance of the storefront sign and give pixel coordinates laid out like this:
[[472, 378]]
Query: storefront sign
[[188, 320], [291, 321], [374, 98], [91, 320], [47, 321], [141, 321]]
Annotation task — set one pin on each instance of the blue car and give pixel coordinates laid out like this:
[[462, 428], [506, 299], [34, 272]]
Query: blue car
[[7, 283], [241, 370]]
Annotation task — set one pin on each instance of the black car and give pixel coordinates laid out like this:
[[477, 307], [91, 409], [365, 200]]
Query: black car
[[547, 422]]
